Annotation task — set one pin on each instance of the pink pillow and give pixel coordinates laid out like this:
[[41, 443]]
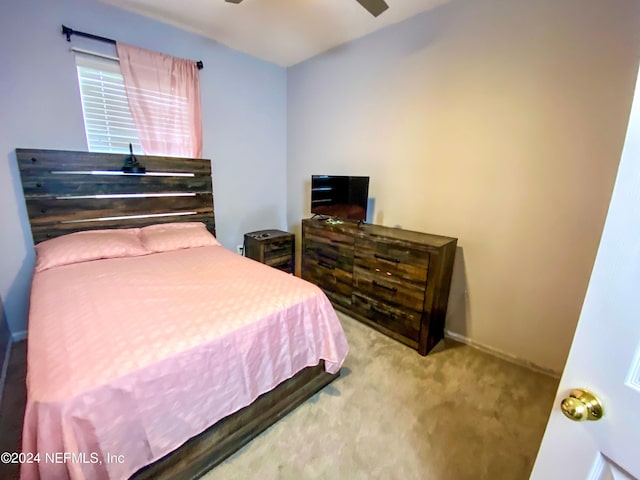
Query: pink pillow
[[165, 237], [88, 245]]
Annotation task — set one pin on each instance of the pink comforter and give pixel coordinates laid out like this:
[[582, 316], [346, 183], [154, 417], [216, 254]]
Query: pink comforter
[[130, 357]]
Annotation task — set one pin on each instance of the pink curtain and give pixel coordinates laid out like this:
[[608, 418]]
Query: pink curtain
[[164, 97]]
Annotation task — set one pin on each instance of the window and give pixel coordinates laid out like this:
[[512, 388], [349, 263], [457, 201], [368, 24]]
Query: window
[[107, 119]]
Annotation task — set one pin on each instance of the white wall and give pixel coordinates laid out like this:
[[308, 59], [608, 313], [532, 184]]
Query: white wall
[[497, 122], [243, 107]]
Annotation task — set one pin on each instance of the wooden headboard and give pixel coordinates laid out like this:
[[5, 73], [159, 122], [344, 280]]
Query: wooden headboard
[[69, 191]]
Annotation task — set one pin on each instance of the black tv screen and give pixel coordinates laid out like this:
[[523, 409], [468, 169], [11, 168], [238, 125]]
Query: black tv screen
[[340, 196]]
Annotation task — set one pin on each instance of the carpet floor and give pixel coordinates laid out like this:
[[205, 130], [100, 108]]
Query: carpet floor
[[455, 414]]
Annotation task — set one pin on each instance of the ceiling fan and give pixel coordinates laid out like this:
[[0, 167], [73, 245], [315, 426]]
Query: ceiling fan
[[374, 7]]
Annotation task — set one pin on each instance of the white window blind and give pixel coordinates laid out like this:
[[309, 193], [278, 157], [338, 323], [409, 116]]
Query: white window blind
[[107, 118]]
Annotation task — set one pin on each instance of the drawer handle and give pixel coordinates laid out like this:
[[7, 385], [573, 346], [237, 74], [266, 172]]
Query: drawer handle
[[326, 265], [379, 285], [388, 259], [382, 312]]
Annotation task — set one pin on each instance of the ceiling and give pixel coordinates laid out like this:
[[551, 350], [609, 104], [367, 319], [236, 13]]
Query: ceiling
[[283, 32]]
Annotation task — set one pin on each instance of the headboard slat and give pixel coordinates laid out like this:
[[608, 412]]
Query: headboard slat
[[50, 210], [45, 232], [45, 185], [53, 159]]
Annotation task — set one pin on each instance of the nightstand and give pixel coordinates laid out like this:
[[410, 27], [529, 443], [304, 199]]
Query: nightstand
[[271, 247]]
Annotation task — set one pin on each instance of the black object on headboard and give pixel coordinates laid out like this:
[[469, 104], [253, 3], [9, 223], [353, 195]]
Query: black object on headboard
[[68, 191]]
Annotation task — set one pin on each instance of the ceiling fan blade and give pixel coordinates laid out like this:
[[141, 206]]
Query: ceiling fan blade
[[233, 1], [374, 7]]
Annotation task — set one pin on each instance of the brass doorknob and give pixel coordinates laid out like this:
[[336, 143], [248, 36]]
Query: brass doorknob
[[581, 404]]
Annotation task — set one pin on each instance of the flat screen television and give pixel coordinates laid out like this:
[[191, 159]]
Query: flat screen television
[[341, 197]]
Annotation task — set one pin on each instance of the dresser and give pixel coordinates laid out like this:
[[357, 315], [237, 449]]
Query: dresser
[[271, 247], [396, 281]]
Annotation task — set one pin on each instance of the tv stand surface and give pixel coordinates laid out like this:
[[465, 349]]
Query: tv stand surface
[[335, 220], [396, 281]]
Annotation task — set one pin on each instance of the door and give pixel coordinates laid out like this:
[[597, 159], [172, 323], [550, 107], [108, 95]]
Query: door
[[605, 354]]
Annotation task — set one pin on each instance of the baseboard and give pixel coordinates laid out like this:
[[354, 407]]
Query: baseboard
[[5, 366], [19, 336], [503, 355]]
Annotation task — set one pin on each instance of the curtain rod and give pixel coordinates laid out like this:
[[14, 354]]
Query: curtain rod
[[70, 31]]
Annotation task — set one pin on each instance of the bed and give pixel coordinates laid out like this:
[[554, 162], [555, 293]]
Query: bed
[[153, 351]]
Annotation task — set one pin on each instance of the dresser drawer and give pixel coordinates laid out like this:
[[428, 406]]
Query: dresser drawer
[[278, 247], [333, 279], [281, 262], [335, 282], [404, 322], [390, 289], [335, 251], [392, 259], [333, 244]]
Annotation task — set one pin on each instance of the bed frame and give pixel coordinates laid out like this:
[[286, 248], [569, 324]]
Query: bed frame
[[68, 191]]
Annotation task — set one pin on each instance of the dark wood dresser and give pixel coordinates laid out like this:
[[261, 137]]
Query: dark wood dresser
[[394, 280], [271, 247]]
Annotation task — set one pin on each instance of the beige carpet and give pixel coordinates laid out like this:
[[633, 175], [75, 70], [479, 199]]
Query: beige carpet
[[456, 414]]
